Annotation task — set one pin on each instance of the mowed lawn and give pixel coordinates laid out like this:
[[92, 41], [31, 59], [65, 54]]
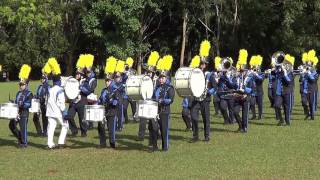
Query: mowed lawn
[[265, 152]]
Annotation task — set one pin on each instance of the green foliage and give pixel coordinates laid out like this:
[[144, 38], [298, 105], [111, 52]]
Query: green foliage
[[33, 30]]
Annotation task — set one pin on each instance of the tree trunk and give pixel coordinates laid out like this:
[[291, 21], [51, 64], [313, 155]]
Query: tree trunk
[[218, 29], [69, 64], [184, 36]]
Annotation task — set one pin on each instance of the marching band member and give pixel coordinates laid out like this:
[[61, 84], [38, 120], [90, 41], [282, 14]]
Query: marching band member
[[216, 99], [150, 71], [119, 85], [271, 84], [303, 85], [77, 106], [258, 77], [202, 104], [284, 88], [108, 98], [244, 87], [56, 108], [309, 78], [126, 100], [42, 94], [226, 83], [23, 100], [92, 84], [185, 114], [164, 95]]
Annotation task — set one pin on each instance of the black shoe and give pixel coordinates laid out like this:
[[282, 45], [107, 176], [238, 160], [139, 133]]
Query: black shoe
[[253, 118], [194, 139], [244, 130], [281, 124], [259, 117], [206, 139], [307, 117], [153, 149], [51, 148], [113, 145], [61, 146], [83, 134]]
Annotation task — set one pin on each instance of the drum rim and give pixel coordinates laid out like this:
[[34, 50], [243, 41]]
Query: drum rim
[[94, 106], [9, 105], [151, 102]]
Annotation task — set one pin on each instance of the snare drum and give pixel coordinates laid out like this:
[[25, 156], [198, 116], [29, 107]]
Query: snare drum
[[9, 111], [94, 113], [139, 87], [189, 82], [35, 106], [71, 88], [147, 109]]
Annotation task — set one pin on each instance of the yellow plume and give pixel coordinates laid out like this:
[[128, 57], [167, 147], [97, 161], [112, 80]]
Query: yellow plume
[[160, 64], [217, 62], [81, 62], [111, 64], [205, 48], [315, 60], [46, 69], [167, 62], [305, 57], [243, 55], [153, 58], [290, 59], [129, 61], [55, 67], [253, 61], [88, 60], [238, 66], [25, 71], [311, 54], [120, 66], [195, 62]]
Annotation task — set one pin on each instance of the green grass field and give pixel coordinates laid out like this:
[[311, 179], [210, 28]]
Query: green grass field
[[265, 152]]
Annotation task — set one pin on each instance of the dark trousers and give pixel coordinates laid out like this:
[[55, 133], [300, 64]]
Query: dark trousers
[[36, 121], [309, 103], [256, 100], [305, 103], [126, 103], [163, 124], [226, 107], [120, 117], [22, 133], [216, 104], [204, 108], [77, 108], [186, 116], [111, 124], [271, 96], [244, 107], [142, 127], [285, 102]]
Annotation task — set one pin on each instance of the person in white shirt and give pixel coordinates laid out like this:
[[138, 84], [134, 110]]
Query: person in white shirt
[[56, 110]]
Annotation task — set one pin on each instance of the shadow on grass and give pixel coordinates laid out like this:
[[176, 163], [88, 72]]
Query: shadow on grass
[[14, 143], [262, 123]]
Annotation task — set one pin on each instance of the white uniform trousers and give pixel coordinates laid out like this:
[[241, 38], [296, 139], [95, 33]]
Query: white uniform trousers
[[52, 123]]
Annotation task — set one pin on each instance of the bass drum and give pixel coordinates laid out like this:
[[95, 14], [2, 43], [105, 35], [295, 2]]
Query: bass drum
[[35, 106], [94, 113], [71, 87], [9, 111], [147, 109], [139, 87], [189, 82]]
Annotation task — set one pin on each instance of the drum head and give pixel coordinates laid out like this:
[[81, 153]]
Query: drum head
[[146, 87], [197, 82], [72, 88]]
